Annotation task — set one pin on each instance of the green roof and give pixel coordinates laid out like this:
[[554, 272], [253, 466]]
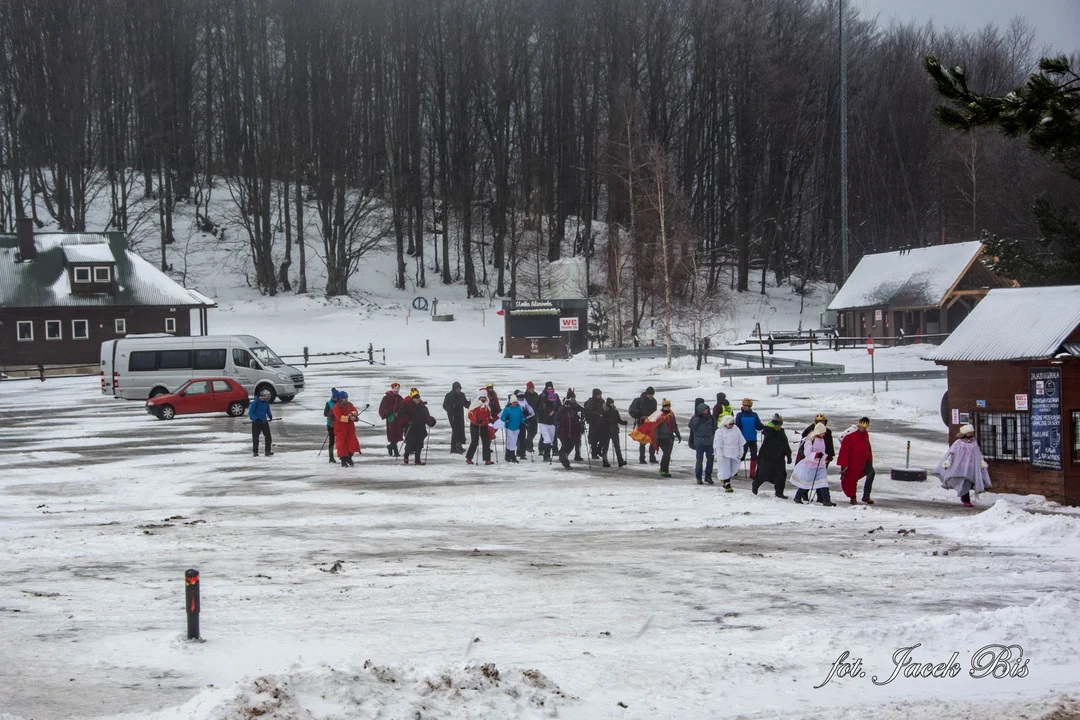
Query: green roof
[[43, 281]]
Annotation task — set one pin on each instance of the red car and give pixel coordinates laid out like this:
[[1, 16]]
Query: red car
[[202, 395]]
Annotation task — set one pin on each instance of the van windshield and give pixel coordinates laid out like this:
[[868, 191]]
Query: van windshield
[[266, 356]]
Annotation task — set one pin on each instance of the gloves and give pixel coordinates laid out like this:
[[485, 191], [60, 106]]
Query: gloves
[[680, 440], [946, 464], [818, 456], [984, 465], [788, 459]]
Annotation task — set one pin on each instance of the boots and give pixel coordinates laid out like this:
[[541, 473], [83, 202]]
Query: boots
[[708, 480], [700, 481], [753, 469], [565, 462], [390, 449], [823, 497], [801, 496], [727, 486], [332, 459], [754, 487], [621, 463], [344, 462]]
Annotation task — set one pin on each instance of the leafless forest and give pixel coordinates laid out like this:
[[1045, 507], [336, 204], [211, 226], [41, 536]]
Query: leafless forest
[[477, 135]]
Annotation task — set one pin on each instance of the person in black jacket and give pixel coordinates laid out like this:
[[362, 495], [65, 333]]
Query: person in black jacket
[[594, 415], [572, 397], [640, 410], [568, 427], [830, 451], [612, 421], [702, 432], [549, 404], [533, 398], [455, 404], [419, 422], [774, 453]]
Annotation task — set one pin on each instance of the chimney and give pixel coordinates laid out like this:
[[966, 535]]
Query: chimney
[[24, 229]]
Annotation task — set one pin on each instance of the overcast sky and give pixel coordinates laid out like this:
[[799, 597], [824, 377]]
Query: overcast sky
[[1056, 22]]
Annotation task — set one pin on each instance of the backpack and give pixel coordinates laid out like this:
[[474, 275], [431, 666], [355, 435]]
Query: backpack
[[635, 408]]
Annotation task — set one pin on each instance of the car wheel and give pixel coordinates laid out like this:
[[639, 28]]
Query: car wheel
[[167, 412], [269, 389], [285, 398], [158, 391], [236, 409]]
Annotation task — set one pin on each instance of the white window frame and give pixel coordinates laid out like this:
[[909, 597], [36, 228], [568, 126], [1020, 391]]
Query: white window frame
[[18, 330], [74, 333], [60, 329], [89, 275], [170, 325], [120, 324], [108, 274]]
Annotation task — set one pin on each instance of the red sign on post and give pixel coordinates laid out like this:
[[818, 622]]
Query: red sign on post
[[870, 346], [568, 324]]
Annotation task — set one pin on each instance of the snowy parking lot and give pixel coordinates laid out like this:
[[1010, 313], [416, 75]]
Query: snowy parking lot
[[505, 591]]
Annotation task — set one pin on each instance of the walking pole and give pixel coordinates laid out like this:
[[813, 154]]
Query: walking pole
[[324, 441], [588, 447]]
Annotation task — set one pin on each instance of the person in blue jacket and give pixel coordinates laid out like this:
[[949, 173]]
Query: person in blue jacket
[[259, 412], [328, 413], [750, 425], [513, 419]]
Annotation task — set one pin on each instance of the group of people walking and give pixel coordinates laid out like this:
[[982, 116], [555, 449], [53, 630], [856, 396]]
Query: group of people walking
[[722, 440]]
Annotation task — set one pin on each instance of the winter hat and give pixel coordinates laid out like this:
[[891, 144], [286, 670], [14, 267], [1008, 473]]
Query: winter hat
[[610, 401], [395, 386], [818, 430], [343, 395], [777, 419], [747, 402], [335, 395], [967, 429], [548, 385], [727, 421], [570, 393], [596, 391], [864, 422], [529, 385], [649, 390], [701, 408], [519, 395], [513, 400], [456, 386], [721, 397]]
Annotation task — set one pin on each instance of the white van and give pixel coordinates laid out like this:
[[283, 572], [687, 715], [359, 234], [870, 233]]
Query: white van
[[138, 367]]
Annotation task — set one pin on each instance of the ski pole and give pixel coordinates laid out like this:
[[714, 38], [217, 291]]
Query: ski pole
[[324, 441]]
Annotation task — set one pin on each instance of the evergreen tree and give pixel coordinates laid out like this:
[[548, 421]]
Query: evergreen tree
[[1046, 110]]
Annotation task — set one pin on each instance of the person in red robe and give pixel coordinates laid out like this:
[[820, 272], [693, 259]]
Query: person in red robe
[[345, 440], [856, 460], [389, 411]]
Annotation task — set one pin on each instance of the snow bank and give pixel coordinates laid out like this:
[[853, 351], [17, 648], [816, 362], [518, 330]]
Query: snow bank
[[376, 691], [1008, 523]]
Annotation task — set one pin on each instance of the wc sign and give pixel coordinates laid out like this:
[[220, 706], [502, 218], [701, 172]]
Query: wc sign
[[568, 324]]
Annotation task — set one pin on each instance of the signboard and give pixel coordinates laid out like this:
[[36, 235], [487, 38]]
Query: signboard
[[877, 316], [568, 324], [1020, 402], [980, 403], [1044, 399], [955, 416]]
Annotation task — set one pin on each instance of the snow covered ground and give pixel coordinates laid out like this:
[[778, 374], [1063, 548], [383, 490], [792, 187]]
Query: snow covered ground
[[507, 591]]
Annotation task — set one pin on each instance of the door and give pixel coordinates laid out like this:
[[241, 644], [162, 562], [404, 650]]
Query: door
[[198, 398], [244, 373]]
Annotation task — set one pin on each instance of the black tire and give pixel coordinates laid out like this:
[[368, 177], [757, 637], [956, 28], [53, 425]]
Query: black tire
[[166, 412], [945, 408], [235, 409], [158, 391], [268, 388], [285, 398]]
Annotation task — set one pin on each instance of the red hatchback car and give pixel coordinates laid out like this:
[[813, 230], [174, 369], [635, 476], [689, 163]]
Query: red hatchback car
[[202, 395]]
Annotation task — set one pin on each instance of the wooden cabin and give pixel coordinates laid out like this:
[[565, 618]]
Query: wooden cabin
[[1014, 373], [917, 295], [545, 328]]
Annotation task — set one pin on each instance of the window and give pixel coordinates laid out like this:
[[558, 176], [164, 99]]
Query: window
[[82, 274], [210, 359], [102, 274], [53, 330], [143, 360], [1004, 436], [198, 388], [174, 360], [241, 358], [80, 329], [1076, 438], [25, 330], [170, 324], [222, 386], [121, 326]]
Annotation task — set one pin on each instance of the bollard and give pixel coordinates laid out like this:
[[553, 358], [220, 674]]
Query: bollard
[[305, 355], [41, 372], [500, 346], [427, 343], [370, 354], [191, 603]]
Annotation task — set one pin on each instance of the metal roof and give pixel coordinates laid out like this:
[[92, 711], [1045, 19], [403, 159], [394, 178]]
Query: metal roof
[[906, 278], [98, 252], [1014, 324], [43, 281]]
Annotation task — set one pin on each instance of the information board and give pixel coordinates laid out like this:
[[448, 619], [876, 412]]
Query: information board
[[1044, 401]]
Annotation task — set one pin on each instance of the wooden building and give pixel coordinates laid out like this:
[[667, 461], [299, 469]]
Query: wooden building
[[545, 328], [63, 294], [920, 294], [1014, 373]]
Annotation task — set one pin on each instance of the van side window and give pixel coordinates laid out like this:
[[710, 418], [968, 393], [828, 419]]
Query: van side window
[[143, 360], [241, 358], [175, 360], [210, 359]]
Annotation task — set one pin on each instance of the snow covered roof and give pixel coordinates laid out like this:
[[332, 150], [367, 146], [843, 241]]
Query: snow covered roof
[[1014, 324], [98, 252], [906, 278], [43, 281]]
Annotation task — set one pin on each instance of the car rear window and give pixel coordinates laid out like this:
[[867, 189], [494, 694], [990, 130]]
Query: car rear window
[[221, 386], [210, 359]]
